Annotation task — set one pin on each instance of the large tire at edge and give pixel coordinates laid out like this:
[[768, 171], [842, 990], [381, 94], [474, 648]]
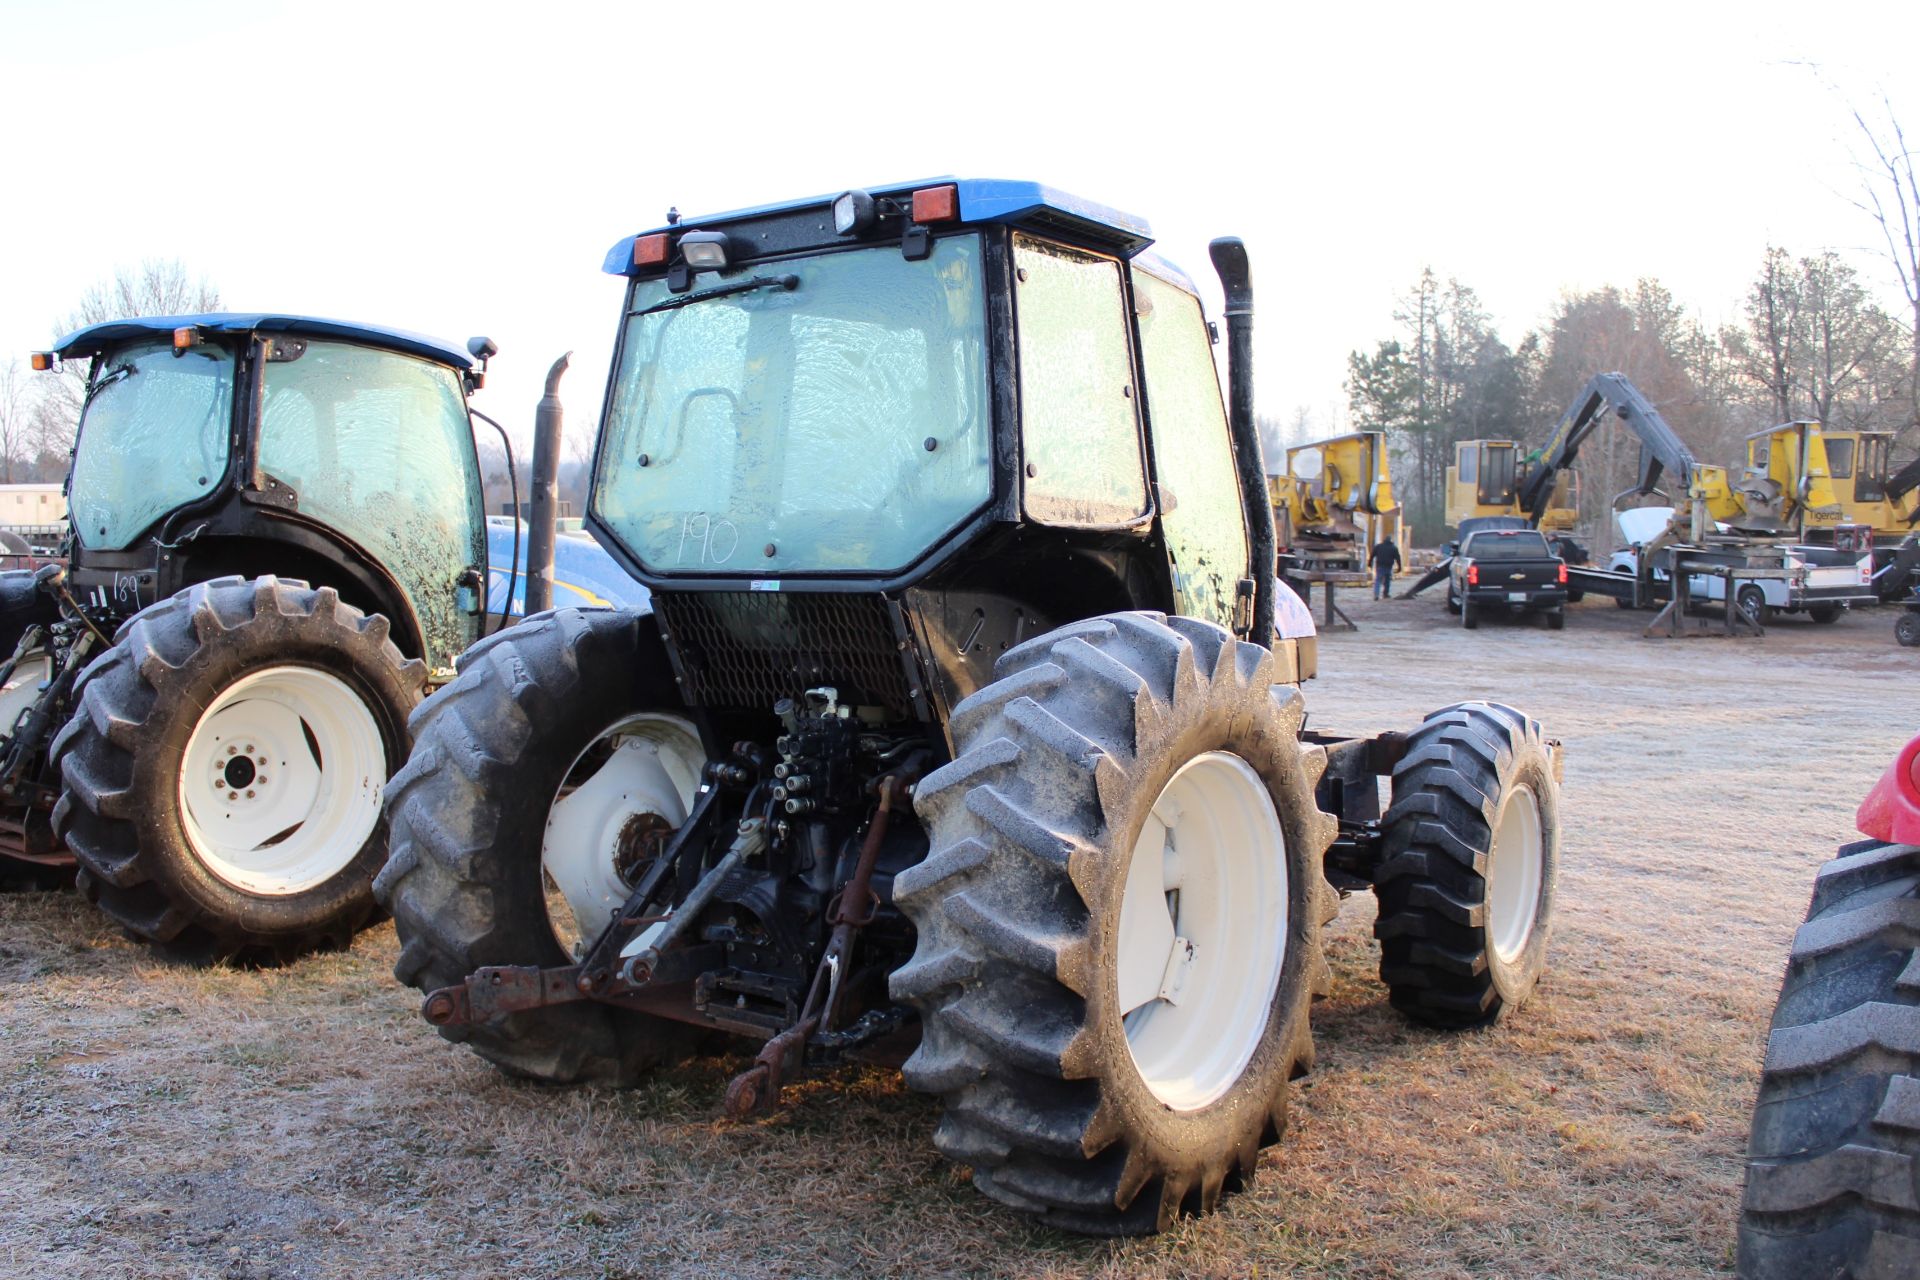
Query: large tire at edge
[[121, 758], [1438, 926], [469, 815], [1833, 1164], [1033, 828]]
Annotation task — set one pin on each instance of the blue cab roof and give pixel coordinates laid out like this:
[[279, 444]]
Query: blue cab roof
[[96, 337], [981, 200]]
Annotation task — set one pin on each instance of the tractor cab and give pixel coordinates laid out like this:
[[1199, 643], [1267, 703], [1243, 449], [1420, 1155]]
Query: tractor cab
[[961, 412], [338, 453]]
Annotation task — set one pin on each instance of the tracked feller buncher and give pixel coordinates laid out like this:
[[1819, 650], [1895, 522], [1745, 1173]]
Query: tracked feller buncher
[[1485, 480], [960, 727], [275, 547], [1331, 505], [1833, 1160]]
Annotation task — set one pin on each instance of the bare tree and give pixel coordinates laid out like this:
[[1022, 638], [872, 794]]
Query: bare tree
[[1890, 195], [157, 287], [17, 404]]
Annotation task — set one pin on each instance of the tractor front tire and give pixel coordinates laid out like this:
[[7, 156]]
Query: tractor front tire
[[1906, 630], [470, 814], [224, 766], [1119, 922], [1833, 1163], [1471, 855]]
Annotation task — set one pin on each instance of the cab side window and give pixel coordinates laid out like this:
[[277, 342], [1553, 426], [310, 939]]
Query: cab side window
[[1078, 422]]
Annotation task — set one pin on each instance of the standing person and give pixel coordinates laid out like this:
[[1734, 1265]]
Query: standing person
[[1385, 558]]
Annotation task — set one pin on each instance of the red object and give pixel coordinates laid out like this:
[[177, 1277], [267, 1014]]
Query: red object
[[1473, 575], [650, 251], [936, 204], [1891, 810], [1563, 571]]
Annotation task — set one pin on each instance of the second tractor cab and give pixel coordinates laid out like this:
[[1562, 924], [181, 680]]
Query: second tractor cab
[[276, 545], [960, 726]]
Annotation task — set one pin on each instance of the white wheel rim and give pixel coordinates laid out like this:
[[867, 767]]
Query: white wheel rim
[[22, 689], [282, 779], [1203, 930], [650, 772], [1514, 873]]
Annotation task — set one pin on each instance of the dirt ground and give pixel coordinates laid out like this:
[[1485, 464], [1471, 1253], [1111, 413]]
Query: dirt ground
[[159, 1121]]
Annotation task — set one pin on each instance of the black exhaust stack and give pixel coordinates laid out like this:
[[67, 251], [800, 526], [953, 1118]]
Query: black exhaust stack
[[1229, 256], [547, 420]]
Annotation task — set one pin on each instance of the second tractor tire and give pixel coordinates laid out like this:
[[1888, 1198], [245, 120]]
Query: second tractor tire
[[1464, 918], [140, 810]]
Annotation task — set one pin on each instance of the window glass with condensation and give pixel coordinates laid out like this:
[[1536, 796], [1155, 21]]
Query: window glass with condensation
[[1193, 456], [377, 445], [154, 437], [1077, 421]]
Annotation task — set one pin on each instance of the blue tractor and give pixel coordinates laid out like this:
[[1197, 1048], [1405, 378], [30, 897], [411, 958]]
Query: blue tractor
[[961, 729], [276, 547]]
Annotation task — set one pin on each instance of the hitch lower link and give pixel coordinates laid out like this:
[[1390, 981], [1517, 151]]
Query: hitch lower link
[[498, 990]]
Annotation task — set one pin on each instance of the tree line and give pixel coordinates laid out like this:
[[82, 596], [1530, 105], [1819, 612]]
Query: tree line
[[1812, 343]]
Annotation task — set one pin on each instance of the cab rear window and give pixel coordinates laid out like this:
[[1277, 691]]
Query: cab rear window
[[1520, 545]]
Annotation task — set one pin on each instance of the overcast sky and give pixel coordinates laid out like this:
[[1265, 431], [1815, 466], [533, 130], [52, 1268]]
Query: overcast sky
[[462, 169]]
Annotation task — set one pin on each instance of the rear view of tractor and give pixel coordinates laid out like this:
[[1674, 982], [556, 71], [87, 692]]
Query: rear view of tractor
[[960, 730], [276, 543], [1833, 1164]]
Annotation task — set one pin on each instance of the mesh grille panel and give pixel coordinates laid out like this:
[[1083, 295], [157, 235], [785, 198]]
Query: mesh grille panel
[[741, 649]]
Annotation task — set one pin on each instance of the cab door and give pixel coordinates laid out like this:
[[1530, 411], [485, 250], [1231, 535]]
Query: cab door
[[377, 446]]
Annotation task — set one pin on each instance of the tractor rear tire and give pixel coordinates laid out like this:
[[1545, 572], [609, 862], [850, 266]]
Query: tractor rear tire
[[470, 812], [1906, 629], [23, 604], [1039, 1034], [1833, 1164], [1471, 854], [318, 696]]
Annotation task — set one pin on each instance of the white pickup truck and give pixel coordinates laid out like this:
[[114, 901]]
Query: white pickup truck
[[1820, 581]]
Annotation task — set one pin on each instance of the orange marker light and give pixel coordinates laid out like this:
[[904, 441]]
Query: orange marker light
[[650, 251], [184, 338], [42, 361], [936, 204]]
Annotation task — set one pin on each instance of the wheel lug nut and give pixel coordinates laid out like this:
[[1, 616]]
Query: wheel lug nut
[[249, 795], [233, 751], [233, 795]]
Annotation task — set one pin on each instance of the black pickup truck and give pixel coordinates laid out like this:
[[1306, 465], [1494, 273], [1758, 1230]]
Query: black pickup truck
[[1511, 571]]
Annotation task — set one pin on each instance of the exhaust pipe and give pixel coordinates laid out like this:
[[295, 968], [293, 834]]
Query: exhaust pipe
[[547, 421], [1229, 256]]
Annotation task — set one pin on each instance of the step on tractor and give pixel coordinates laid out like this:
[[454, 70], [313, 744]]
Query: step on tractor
[[960, 729], [1833, 1160], [276, 545]]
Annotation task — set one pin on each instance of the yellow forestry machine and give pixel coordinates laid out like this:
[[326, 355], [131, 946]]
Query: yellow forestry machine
[[1331, 505]]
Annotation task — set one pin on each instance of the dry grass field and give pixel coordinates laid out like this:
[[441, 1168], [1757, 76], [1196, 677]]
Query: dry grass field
[[162, 1122]]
